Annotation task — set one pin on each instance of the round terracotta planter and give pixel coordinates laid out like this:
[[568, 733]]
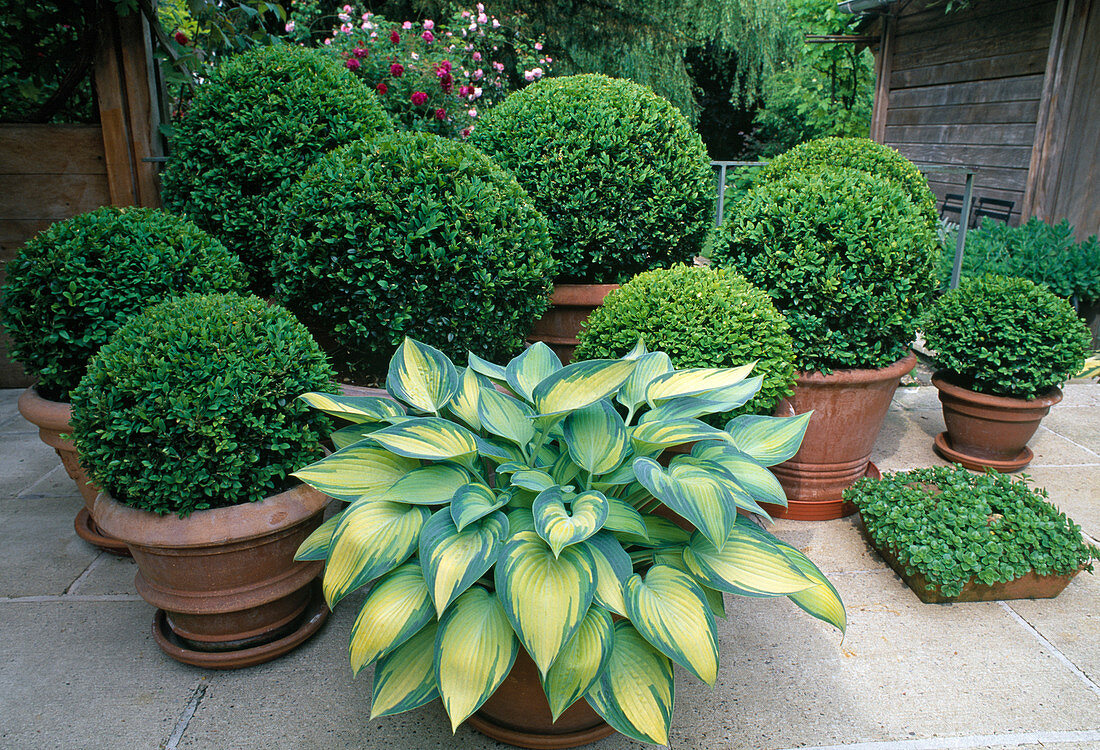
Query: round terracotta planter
[[989, 432], [52, 418], [570, 305], [519, 714], [849, 408], [228, 591]]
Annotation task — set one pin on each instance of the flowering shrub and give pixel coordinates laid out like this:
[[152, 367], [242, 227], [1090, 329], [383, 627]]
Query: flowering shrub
[[436, 77]]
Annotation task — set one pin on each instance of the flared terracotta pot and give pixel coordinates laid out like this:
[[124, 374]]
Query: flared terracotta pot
[[570, 305], [849, 408], [52, 418], [228, 591], [988, 432], [519, 714]]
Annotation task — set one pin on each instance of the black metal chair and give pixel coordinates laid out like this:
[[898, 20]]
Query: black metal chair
[[952, 204], [994, 208]]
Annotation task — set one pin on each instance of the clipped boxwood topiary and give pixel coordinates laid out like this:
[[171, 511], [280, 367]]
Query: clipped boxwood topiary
[[1006, 336], [952, 526], [862, 155], [74, 284], [412, 234], [193, 404], [251, 132], [846, 257], [700, 318], [623, 178]]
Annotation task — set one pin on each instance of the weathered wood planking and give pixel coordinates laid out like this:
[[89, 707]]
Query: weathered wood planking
[[958, 154], [967, 30], [1031, 62], [951, 114], [52, 149], [1019, 88], [1015, 134], [925, 53]]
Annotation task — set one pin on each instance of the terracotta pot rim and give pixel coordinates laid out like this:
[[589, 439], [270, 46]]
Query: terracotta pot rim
[[845, 377], [1047, 398], [587, 295], [43, 413], [215, 526]]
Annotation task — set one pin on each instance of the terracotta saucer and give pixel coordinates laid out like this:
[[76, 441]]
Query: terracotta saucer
[[942, 446], [87, 530]]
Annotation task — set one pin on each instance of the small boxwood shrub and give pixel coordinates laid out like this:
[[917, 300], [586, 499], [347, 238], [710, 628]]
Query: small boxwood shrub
[[74, 284], [412, 235], [193, 404], [1006, 337], [251, 132], [952, 526], [700, 318], [846, 257], [863, 155], [623, 178]]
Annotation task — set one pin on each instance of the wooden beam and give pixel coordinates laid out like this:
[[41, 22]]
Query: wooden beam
[[883, 66]]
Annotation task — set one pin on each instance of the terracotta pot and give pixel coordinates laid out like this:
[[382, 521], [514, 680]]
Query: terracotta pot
[[849, 408], [989, 431], [519, 714], [570, 305], [225, 579], [52, 418]]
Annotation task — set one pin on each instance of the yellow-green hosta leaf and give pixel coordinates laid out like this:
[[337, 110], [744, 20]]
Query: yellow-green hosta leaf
[[756, 480], [768, 440], [505, 416], [596, 437], [674, 432], [464, 403], [749, 564], [564, 470], [639, 349], [316, 545], [693, 381], [498, 450], [580, 384], [624, 517], [372, 538], [580, 663], [560, 526], [544, 596], [740, 496], [648, 366], [358, 409], [697, 495], [635, 692], [428, 485], [620, 476], [532, 479], [427, 437], [452, 560], [519, 521], [397, 608], [474, 651], [404, 679], [348, 436], [670, 610], [711, 402], [660, 532], [536, 363], [421, 376], [494, 372], [474, 501], [822, 601], [355, 472], [613, 567]]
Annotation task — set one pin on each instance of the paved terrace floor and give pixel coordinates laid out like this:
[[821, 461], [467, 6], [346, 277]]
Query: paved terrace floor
[[79, 668]]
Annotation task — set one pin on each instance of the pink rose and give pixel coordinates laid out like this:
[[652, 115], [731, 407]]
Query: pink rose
[[359, 52], [428, 36], [441, 114], [382, 88], [395, 37], [397, 70], [418, 98], [181, 38], [429, 25], [351, 64]]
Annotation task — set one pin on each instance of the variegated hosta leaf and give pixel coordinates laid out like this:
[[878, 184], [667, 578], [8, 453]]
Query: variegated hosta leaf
[[638, 350], [596, 437], [740, 497], [756, 480], [474, 501], [421, 376], [358, 409], [612, 566], [428, 437], [494, 372], [622, 516], [580, 663], [660, 532], [404, 679], [464, 403], [316, 545], [620, 476], [452, 560], [674, 432], [474, 651], [822, 601], [648, 366], [670, 610], [348, 436], [560, 526], [564, 470], [533, 479], [694, 380], [697, 495], [635, 692], [711, 402], [749, 563], [355, 472], [768, 440], [505, 416], [397, 607], [519, 521], [536, 363], [498, 450], [580, 384], [428, 485], [372, 538], [545, 596]]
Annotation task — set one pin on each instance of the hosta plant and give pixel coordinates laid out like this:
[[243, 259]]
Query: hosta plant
[[494, 508]]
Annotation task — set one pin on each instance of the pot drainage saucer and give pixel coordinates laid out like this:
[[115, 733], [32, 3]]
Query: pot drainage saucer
[[942, 446], [87, 530]]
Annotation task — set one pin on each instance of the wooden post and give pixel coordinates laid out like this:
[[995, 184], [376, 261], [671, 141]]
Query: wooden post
[[884, 62]]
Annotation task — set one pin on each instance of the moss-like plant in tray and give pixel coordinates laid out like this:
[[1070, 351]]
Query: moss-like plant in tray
[[499, 507], [952, 526]]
